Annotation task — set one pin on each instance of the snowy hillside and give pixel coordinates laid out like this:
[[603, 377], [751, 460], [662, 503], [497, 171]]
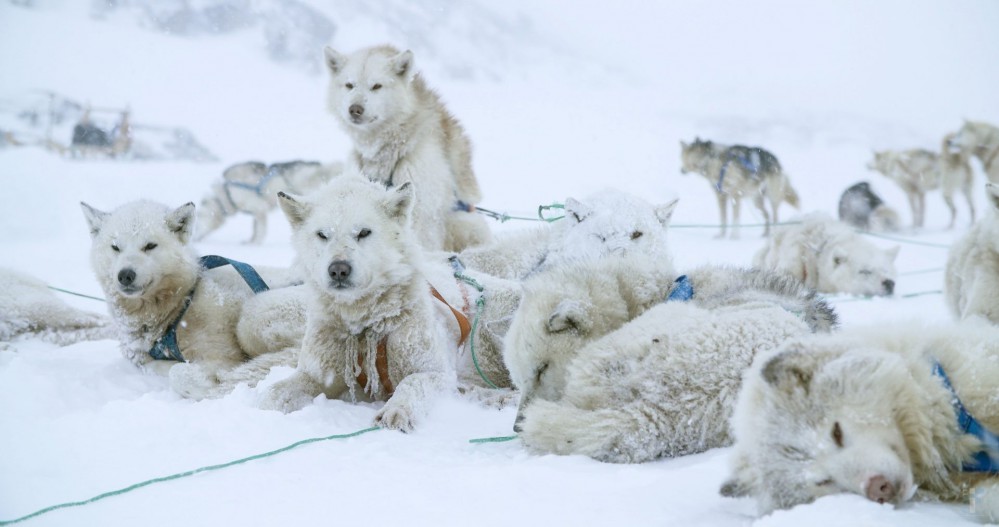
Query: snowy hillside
[[559, 99]]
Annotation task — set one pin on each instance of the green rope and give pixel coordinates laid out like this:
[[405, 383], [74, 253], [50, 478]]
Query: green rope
[[480, 304], [866, 298], [503, 217], [77, 294], [542, 208], [904, 240], [500, 439], [183, 475], [715, 226]]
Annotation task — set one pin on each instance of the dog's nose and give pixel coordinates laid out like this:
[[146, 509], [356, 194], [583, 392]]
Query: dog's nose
[[339, 270], [889, 286], [126, 276], [879, 489], [356, 110]]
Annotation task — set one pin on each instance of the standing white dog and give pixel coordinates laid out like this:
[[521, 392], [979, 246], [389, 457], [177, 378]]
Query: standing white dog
[[971, 282], [403, 133]]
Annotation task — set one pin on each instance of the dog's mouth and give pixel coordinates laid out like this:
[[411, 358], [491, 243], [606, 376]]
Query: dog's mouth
[[362, 120], [131, 291], [341, 285]]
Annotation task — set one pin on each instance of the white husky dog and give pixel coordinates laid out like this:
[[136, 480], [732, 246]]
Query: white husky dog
[[971, 280], [829, 257], [252, 187], [981, 140], [403, 133], [167, 308], [29, 308], [386, 322], [872, 411]]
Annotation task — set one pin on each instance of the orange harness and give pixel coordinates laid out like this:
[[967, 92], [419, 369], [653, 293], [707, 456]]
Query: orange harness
[[381, 353]]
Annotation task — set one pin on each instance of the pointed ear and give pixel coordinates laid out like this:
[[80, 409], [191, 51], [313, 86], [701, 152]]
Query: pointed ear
[[992, 193], [576, 211], [296, 211], [181, 221], [664, 213], [893, 252], [569, 315], [95, 218], [334, 61], [788, 370], [402, 64], [400, 201]]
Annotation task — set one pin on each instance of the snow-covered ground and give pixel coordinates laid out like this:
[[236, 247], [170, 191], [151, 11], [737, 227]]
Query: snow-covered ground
[[560, 99]]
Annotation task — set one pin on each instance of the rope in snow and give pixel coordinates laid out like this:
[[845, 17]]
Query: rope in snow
[[499, 439], [865, 299], [77, 294], [905, 240], [183, 475], [503, 217], [480, 304]]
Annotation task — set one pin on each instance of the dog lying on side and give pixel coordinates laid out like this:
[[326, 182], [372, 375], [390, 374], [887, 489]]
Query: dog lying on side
[[29, 308], [861, 208]]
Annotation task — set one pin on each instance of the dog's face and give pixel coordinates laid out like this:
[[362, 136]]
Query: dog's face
[[612, 223], [371, 87], [860, 269], [141, 248], [350, 236], [881, 162], [825, 425]]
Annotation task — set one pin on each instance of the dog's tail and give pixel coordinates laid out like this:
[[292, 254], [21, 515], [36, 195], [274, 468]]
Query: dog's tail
[[633, 433], [790, 195]]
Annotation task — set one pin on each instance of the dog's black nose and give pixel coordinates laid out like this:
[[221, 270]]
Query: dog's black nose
[[356, 110], [339, 270], [126, 276], [889, 286]]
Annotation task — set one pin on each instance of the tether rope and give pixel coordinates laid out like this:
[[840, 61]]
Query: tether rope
[[180, 475]]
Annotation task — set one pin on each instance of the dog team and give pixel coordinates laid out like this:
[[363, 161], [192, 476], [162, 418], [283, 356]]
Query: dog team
[[400, 293]]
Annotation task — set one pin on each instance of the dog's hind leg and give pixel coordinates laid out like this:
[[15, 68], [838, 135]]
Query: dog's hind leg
[[761, 204], [722, 213], [259, 228], [948, 197], [736, 208]]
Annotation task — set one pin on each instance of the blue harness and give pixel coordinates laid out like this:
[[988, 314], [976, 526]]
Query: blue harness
[[683, 291], [463, 207], [750, 163], [165, 347], [258, 188], [981, 461]]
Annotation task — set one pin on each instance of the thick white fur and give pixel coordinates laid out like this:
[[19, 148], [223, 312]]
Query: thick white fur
[[971, 280], [664, 384], [981, 139], [607, 223], [831, 414], [29, 307], [405, 134], [225, 324], [828, 256], [386, 294]]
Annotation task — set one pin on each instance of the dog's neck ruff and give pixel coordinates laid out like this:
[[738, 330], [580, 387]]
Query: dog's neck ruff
[[682, 291], [983, 460], [166, 347]]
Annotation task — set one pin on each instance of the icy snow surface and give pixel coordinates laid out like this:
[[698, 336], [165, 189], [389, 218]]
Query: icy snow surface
[[560, 99]]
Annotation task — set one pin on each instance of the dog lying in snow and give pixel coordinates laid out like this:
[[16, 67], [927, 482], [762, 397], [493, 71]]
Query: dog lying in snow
[[171, 314], [861, 208], [871, 411], [29, 308], [971, 279]]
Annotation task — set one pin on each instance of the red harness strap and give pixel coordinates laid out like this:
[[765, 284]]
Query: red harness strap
[[381, 353]]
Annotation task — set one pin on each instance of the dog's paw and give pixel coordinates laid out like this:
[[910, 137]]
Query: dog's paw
[[191, 380], [285, 399], [395, 417], [490, 397]]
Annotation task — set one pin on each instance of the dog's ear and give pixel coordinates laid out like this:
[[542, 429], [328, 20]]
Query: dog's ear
[[569, 315], [576, 211], [400, 201], [664, 213], [296, 211], [402, 64], [95, 218], [334, 61], [992, 193], [181, 221], [788, 370], [893, 252]]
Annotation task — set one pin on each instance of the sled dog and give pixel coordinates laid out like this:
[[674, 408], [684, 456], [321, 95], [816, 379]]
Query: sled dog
[[403, 133], [971, 278], [861, 208], [981, 140], [29, 308]]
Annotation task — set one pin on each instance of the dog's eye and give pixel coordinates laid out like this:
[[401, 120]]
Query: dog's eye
[[149, 246], [824, 483], [865, 272], [837, 434], [114, 247], [322, 235], [349, 86], [363, 233], [636, 235], [376, 87]]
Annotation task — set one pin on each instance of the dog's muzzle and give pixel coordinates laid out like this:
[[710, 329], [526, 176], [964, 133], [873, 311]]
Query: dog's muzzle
[[356, 112], [126, 281], [339, 272]]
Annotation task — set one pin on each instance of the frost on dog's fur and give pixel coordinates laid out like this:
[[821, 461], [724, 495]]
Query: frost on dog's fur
[[403, 133], [141, 259], [29, 307], [829, 257], [971, 283], [608, 223], [370, 283], [862, 412], [568, 309]]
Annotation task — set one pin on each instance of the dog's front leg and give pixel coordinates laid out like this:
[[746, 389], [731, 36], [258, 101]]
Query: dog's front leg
[[412, 400]]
